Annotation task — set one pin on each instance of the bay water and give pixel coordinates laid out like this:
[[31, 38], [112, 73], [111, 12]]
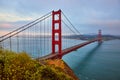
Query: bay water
[[91, 62], [96, 61]]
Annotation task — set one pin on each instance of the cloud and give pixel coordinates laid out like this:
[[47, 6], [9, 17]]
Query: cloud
[[106, 23], [12, 17], [5, 25], [112, 2], [3, 32], [91, 13]]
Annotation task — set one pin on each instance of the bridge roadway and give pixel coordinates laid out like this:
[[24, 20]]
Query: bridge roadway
[[67, 50]]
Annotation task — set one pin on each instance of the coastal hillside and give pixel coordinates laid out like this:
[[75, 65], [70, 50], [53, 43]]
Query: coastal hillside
[[20, 66]]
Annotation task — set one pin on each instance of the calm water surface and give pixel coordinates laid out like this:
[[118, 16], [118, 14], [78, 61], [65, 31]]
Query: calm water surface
[[96, 62], [92, 62]]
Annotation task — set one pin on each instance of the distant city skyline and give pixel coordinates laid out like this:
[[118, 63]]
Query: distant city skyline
[[87, 16]]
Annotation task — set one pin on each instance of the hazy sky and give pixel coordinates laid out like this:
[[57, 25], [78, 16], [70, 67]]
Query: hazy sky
[[87, 15]]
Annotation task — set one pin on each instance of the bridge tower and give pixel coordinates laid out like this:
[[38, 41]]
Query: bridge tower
[[99, 36], [56, 33]]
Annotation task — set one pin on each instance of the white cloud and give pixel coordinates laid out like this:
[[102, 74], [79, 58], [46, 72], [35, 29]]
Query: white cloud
[[110, 23], [7, 17]]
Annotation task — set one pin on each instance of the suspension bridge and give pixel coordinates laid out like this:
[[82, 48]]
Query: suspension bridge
[[48, 37]]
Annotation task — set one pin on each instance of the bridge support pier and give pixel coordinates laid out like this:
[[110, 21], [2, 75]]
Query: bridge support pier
[[56, 33], [99, 36]]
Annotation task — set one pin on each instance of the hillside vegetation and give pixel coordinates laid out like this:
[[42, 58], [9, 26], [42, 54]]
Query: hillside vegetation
[[20, 66]]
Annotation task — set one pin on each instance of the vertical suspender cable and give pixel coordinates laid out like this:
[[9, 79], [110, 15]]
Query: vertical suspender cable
[[17, 43], [36, 40], [48, 35], [10, 43], [39, 39], [44, 37]]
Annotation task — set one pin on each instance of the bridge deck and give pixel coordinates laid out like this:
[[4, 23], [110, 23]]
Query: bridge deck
[[67, 50]]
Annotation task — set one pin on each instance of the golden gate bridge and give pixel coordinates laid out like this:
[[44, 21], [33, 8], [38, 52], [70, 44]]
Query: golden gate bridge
[[46, 37]]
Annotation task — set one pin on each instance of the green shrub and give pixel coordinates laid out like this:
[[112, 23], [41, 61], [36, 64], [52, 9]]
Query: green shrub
[[20, 66], [51, 73]]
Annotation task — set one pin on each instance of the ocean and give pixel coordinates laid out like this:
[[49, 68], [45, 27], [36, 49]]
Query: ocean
[[96, 61], [91, 62]]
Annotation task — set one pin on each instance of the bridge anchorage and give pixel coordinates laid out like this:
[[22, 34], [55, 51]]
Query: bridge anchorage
[[47, 37]]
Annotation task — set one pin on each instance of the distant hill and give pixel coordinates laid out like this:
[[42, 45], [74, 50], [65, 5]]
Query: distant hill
[[92, 36]]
